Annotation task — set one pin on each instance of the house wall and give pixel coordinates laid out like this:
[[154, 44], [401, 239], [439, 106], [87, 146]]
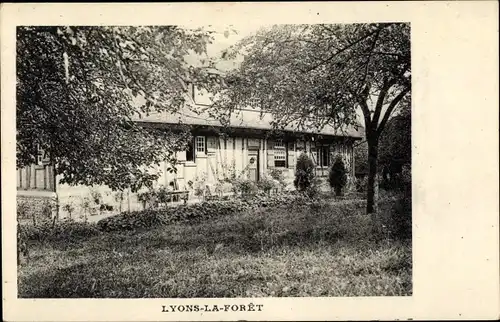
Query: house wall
[[223, 156]]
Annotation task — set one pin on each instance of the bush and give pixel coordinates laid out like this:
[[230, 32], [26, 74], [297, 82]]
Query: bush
[[278, 175], [96, 196], [361, 184], [337, 176], [304, 172], [69, 208], [153, 217], [244, 186], [65, 230], [266, 184], [401, 218], [314, 189], [22, 210], [199, 211], [148, 198]]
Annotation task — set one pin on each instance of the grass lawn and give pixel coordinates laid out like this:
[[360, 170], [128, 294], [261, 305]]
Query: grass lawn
[[334, 250]]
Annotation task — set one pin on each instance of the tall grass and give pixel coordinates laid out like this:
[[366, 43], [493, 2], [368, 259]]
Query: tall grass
[[328, 250]]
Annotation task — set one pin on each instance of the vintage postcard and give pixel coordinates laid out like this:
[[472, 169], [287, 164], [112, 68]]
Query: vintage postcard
[[250, 161]]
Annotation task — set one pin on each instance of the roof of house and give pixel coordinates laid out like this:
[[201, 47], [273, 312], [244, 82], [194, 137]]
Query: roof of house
[[251, 119], [246, 118]]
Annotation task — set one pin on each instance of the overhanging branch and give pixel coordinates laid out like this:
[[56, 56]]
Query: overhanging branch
[[390, 109], [377, 31]]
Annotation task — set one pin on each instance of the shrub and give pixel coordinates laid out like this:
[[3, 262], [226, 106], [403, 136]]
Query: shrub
[[278, 175], [314, 189], [153, 218], [304, 173], [198, 211], [337, 176], [401, 218], [148, 199], [244, 186], [200, 186], [133, 220], [22, 210], [119, 197], [65, 230], [406, 179], [69, 208], [163, 196], [266, 184], [361, 184], [96, 196]]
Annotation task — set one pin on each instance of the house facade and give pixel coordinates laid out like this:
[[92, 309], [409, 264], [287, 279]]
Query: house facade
[[248, 148]]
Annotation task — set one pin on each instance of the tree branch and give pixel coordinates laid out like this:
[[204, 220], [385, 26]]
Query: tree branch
[[364, 107], [390, 109], [372, 47], [380, 100], [346, 48]]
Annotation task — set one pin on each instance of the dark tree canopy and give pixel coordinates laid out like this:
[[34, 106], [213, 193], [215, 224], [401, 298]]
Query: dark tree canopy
[[79, 89], [395, 141]]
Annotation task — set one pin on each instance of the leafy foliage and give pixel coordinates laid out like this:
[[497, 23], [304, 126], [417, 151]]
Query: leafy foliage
[[80, 88], [337, 176], [304, 172]]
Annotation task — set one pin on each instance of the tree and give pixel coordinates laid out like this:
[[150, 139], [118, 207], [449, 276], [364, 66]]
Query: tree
[[79, 89], [337, 176], [313, 75], [394, 148]]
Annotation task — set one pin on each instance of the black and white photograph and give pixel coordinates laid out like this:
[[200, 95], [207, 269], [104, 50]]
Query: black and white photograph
[[249, 161], [169, 162]]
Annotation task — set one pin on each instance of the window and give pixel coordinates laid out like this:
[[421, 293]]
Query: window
[[325, 156], [200, 144], [322, 156], [190, 152], [279, 155]]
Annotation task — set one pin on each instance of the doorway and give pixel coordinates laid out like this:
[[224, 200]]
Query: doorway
[[253, 165]]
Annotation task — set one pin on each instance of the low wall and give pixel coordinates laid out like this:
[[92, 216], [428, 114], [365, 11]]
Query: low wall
[[36, 205]]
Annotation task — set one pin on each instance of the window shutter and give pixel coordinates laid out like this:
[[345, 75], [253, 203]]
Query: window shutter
[[291, 155], [211, 144], [313, 155], [270, 153]]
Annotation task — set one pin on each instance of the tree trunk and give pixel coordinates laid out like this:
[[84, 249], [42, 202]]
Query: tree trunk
[[371, 199]]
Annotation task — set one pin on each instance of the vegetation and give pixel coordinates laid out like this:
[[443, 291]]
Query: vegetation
[[277, 175], [304, 172], [337, 176], [267, 184], [79, 88], [328, 250], [310, 76]]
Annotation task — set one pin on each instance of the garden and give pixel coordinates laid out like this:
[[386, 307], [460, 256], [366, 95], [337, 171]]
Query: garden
[[256, 243]]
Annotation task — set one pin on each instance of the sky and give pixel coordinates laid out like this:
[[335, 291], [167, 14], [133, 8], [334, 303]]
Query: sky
[[225, 37]]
